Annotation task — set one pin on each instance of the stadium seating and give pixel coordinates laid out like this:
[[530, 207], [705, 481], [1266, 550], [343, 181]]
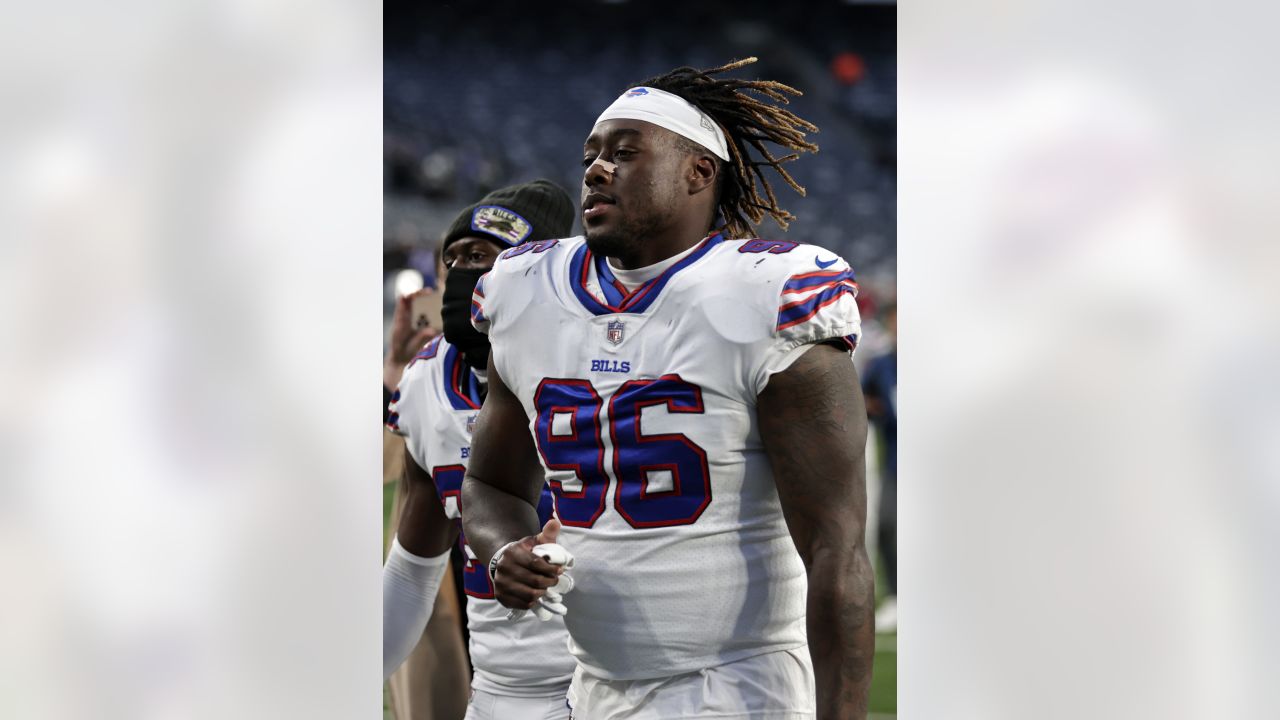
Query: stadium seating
[[496, 102]]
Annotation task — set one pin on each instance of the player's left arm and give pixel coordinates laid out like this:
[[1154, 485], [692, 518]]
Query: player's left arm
[[814, 427]]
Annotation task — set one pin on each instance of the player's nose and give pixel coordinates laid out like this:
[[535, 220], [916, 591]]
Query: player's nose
[[598, 173]]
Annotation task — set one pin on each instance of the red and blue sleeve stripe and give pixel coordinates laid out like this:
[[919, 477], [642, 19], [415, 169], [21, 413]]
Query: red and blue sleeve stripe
[[794, 313], [814, 280], [477, 310]]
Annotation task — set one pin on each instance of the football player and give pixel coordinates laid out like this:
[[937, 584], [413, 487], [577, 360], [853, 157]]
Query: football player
[[521, 670], [690, 393]]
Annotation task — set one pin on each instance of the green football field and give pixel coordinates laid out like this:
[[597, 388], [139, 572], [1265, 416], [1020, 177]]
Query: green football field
[[884, 679]]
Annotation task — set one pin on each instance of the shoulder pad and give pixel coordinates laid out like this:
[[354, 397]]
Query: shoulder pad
[[528, 253], [785, 256]]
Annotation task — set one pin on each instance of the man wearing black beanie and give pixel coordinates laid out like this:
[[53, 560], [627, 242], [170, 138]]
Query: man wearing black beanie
[[503, 219], [519, 671]]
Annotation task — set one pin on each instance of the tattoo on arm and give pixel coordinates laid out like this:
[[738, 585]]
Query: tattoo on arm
[[813, 425]]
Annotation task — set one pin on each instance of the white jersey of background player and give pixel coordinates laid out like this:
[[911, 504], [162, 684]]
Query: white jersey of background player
[[435, 410], [692, 402], [522, 670]]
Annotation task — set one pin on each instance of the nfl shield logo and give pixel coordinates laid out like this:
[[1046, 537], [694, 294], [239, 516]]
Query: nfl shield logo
[[614, 332], [471, 424]]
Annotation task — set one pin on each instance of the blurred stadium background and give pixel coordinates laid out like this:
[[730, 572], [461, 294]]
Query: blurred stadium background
[[478, 96], [482, 95]]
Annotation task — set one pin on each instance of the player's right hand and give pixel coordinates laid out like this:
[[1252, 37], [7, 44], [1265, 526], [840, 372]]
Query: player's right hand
[[552, 604], [521, 578]]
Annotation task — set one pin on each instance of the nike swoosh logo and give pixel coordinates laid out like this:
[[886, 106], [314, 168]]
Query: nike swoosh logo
[[825, 265]]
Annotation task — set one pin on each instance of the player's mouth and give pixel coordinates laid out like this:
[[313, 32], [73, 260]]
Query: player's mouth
[[595, 205]]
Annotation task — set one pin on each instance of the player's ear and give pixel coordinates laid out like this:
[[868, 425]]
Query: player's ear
[[702, 173]]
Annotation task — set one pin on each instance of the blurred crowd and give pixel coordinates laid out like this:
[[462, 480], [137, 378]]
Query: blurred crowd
[[474, 101]]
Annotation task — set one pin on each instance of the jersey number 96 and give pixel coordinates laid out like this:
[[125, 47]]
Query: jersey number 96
[[570, 437]]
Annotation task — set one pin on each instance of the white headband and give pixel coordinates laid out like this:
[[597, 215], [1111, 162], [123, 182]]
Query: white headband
[[671, 112]]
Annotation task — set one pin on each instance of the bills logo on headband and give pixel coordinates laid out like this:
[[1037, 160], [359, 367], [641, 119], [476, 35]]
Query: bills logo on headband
[[501, 223], [613, 332], [633, 92]]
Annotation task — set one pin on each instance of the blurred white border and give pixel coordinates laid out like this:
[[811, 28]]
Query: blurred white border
[[190, 502], [1088, 419], [189, 346]]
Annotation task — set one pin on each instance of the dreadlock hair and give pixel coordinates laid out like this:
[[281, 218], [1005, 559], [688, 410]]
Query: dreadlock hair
[[747, 122]]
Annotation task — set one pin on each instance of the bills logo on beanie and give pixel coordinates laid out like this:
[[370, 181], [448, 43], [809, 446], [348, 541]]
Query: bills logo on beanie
[[500, 222], [537, 210]]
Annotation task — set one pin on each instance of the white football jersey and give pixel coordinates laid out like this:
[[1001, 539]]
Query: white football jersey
[[435, 409], [643, 409]]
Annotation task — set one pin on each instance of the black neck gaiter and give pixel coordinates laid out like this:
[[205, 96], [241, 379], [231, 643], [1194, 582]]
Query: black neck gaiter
[[455, 310]]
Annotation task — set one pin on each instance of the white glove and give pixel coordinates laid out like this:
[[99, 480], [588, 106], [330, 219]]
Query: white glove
[[554, 554], [552, 603]]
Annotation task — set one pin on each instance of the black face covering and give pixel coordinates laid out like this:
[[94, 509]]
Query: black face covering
[[455, 309]]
